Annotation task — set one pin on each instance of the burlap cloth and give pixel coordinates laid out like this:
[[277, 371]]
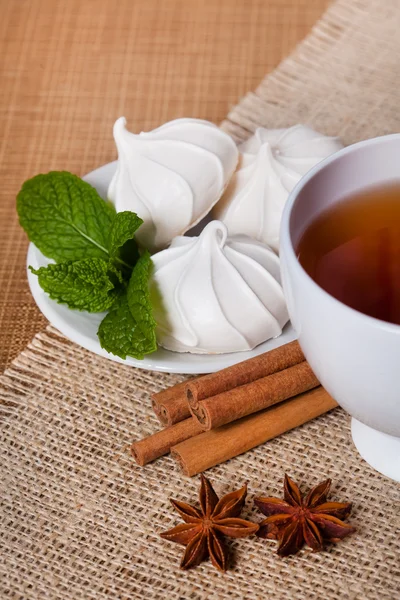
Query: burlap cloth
[[80, 520]]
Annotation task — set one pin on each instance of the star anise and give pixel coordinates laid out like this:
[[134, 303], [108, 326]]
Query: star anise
[[297, 520], [204, 528]]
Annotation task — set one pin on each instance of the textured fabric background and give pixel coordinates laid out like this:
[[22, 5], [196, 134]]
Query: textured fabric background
[[80, 520], [69, 68]]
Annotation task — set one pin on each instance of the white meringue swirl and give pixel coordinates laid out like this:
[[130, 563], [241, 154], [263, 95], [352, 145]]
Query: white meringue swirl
[[272, 162], [211, 294], [171, 176]]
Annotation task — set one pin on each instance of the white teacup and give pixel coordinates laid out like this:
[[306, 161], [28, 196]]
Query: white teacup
[[355, 357]]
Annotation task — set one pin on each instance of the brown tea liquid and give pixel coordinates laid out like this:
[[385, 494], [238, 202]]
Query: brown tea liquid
[[352, 250]]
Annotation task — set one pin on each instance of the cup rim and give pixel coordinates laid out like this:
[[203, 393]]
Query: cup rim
[[286, 238]]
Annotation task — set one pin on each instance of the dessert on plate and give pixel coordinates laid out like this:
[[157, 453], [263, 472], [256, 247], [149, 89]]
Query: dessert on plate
[[272, 161], [214, 294], [171, 177], [219, 292]]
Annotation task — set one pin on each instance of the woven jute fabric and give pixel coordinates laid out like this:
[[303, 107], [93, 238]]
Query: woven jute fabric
[[81, 520], [69, 68]]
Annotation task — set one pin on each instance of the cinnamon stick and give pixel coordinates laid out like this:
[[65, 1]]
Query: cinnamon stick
[[171, 405], [255, 396], [244, 372], [218, 445], [160, 443]]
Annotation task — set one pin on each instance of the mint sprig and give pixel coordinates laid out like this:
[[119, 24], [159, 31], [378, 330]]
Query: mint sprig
[[123, 228], [65, 217], [90, 284], [98, 265], [121, 246], [129, 327]]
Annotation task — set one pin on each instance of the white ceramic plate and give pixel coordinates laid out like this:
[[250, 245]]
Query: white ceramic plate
[[81, 327]]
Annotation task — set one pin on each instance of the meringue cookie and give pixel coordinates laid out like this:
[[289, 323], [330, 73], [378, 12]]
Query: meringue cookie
[[213, 294], [171, 176], [272, 162]]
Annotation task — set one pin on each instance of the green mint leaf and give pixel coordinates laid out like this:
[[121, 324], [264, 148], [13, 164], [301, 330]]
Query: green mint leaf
[[121, 245], [139, 300], [88, 284], [65, 217], [117, 331], [129, 328]]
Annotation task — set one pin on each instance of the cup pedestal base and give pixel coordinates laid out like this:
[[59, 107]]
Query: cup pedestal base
[[380, 450]]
